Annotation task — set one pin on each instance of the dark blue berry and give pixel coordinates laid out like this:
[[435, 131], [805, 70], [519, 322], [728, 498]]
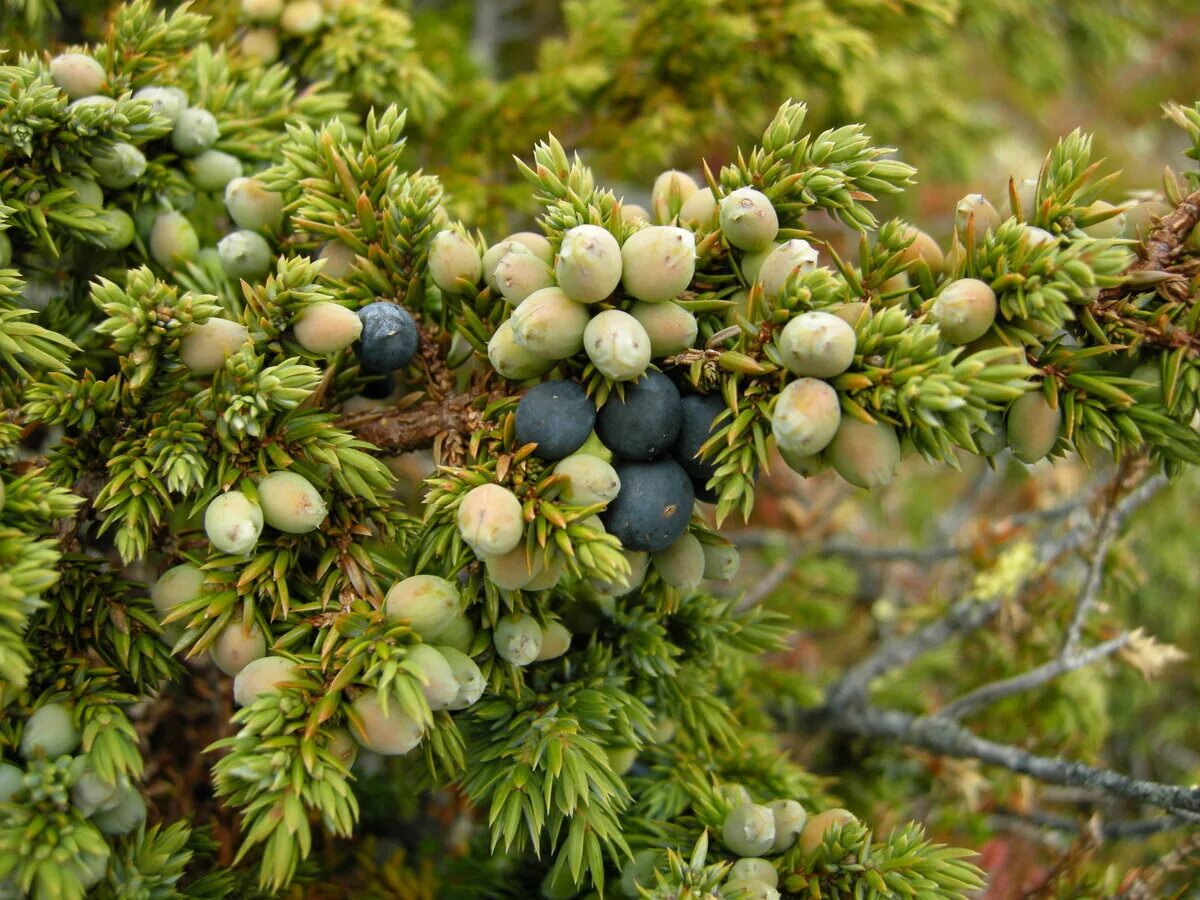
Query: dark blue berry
[[389, 337], [699, 411], [654, 506], [557, 416], [646, 422]]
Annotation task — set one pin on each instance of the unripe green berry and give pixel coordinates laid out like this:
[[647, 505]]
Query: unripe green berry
[[589, 479], [195, 131], [77, 74], [621, 759], [11, 781], [518, 639], [535, 244], [454, 263], [978, 208], [339, 259], [1026, 196], [865, 455], [1112, 227], [790, 818], [212, 170], [205, 347], [923, 248], [670, 327], [806, 465], [588, 267], [721, 561], [991, 443], [549, 324], [262, 10], [467, 676], [512, 360], [91, 868], [852, 313], [964, 310], [173, 240], [549, 576], [1141, 216], [301, 17], [753, 868], [177, 585], [681, 565], [512, 571], [438, 681], [252, 206], [165, 102], [342, 746], [491, 520], [118, 165], [87, 192], [749, 889], [326, 327], [428, 603], [748, 220], [261, 44], [638, 872], [126, 816], [1034, 236], [290, 503], [245, 254], [389, 731], [806, 417], [261, 676], [633, 213], [617, 345], [752, 261], [233, 523], [700, 209], [817, 344], [90, 793], [457, 632], [50, 732], [670, 191], [520, 274], [657, 263], [749, 830], [556, 640], [1033, 426], [788, 259], [119, 229], [496, 252], [593, 446], [821, 824], [234, 648]]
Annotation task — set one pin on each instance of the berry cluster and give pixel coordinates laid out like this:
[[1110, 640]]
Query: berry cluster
[[56, 773]]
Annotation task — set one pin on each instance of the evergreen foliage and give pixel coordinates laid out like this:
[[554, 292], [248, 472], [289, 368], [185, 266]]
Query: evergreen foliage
[[603, 722]]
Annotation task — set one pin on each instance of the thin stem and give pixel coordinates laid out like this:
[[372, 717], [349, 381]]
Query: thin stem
[[997, 690]]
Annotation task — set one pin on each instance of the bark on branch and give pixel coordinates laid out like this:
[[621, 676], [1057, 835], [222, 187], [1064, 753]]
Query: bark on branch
[[415, 427]]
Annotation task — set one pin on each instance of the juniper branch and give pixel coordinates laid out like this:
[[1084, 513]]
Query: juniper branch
[[972, 613], [1033, 678], [1118, 830], [946, 737], [415, 427]]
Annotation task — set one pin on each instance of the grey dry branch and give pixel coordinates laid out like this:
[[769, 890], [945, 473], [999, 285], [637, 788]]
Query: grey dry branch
[[847, 707], [1027, 681], [1113, 830], [944, 736]]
